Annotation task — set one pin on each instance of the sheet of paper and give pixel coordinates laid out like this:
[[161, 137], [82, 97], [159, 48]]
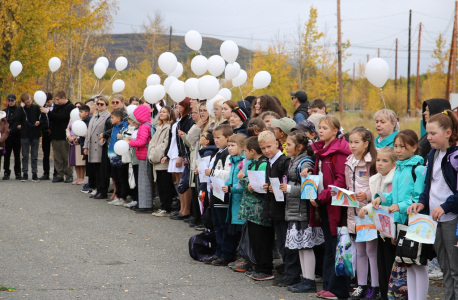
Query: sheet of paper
[[217, 187], [344, 197], [384, 221], [422, 228], [202, 164], [257, 180], [365, 229], [309, 187], [279, 195]]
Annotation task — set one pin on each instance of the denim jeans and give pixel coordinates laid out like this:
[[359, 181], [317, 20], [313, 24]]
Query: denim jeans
[[227, 243], [29, 145]]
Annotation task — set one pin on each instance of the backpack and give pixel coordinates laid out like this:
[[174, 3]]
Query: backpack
[[202, 245], [259, 162], [299, 168], [414, 176]]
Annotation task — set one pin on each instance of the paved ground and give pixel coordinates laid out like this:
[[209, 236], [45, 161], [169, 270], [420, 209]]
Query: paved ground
[[56, 243]]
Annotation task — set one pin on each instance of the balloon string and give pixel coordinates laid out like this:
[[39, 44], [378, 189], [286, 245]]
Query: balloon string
[[381, 92], [224, 81], [94, 86], [110, 96], [141, 97], [251, 91], [12, 89], [241, 92], [108, 82]]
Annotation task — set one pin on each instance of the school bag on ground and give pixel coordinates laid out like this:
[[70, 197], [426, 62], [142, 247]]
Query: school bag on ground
[[345, 263], [202, 245]]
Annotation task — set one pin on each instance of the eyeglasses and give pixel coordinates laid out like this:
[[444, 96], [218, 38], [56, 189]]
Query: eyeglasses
[[101, 104], [292, 98], [115, 102], [11, 100]]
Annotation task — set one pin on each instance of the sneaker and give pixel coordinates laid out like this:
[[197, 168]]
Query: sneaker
[[372, 292], [359, 292], [318, 294], [156, 212], [262, 276], [220, 262], [242, 266], [86, 190], [120, 202], [25, 177], [304, 286], [232, 264], [328, 295], [284, 282], [6, 177], [249, 273], [114, 201], [131, 204], [208, 260], [435, 274], [94, 192], [200, 228], [174, 213], [162, 213], [18, 176], [318, 279], [35, 177], [45, 176]]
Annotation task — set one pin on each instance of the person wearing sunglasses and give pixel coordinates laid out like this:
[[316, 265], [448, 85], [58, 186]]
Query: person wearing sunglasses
[[13, 142], [301, 106]]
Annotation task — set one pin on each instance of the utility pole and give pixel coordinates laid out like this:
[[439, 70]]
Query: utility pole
[[353, 86], [367, 84], [408, 66], [339, 56], [454, 49], [417, 80], [170, 50], [396, 68], [378, 53], [452, 56]]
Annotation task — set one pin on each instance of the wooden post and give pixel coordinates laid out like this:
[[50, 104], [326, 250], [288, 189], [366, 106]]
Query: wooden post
[[417, 81], [396, 68], [454, 48], [408, 65], [339, 57], [378, 53], [353, 86], [452, 56], [170, 50]]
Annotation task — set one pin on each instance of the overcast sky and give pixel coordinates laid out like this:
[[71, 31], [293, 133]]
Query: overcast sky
[[253, 23]]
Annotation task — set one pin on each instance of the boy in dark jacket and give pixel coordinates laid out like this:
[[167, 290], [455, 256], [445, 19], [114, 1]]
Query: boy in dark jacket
[[220, 168], [13, 142], [275, 211]]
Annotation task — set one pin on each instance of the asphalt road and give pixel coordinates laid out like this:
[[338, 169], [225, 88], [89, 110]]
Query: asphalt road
[[56, 243]]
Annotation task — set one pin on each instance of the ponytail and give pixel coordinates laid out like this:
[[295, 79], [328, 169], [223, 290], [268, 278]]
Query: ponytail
[[447, 120]]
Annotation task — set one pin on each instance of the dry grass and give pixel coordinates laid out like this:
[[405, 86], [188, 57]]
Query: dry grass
[[366, 119]]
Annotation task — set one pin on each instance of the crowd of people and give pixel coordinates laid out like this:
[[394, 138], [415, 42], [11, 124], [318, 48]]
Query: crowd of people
[[168, 144]]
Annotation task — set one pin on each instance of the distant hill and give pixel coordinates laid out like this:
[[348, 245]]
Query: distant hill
[[128, 45]]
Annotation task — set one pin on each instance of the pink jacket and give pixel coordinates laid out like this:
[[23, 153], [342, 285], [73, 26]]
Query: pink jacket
[[357, 180], [143, 115]]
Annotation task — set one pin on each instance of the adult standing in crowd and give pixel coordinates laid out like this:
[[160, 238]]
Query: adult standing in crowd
[[59, 117], [4, 132], [387, 126], [266, 103], [430, 108], [301, 106], [30, 136], [46, 140], [13, 142]]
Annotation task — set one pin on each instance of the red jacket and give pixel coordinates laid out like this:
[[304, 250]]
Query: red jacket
[[143, 115], [332, 159]]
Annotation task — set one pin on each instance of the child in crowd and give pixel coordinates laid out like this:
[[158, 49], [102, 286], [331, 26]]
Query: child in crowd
[[260, 230], [309, 129], [255, 126], [359, 167], [282, 128], [156, 149], [317, 106], [406, 191], [439, 199], [119, 170], [382, 183], [331, 155], [84, 113], [131, 132], [274, 210], [267, 116], [300, 235], [220, 168]]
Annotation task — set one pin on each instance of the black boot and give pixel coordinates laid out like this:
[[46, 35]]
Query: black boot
[[6, 176], [45, 176]]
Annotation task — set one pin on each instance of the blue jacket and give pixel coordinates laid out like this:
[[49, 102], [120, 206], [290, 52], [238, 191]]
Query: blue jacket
[[386, 142], [235, 194], [405, 191], [115, 159], [449, 173]]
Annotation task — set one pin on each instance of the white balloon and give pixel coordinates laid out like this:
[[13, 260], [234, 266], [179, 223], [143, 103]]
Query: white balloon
[[176, 91], [178, 71], [121, 147], [131, 108], [193, 40], [167, 62], [377, 72], [226, 93], [153, 79], [199, 65], [40, 98], [261, 80], [154, 93], [121, 63], [100, 69], [16, 68], [232, 71], [54, 64], [103, 60], [191, 88], [75, 114], [241, 79], [168, 81], [118, 85], [229, 51], [216, 65], [79, 128], [208, 86]]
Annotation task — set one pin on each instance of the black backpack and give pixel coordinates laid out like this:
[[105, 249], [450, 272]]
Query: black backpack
[[202, 245]]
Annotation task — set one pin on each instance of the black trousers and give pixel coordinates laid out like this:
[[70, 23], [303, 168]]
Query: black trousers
[[338, 285], [290, 256], [260, 239], [13, 144], [165, 188], [102, 182], [319, 258], [120, 176], [195, 207], [134, 192], [46, 147], [386, 254]]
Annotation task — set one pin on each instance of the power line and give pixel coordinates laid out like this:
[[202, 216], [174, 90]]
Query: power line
[[374, 17], [429, 15]]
